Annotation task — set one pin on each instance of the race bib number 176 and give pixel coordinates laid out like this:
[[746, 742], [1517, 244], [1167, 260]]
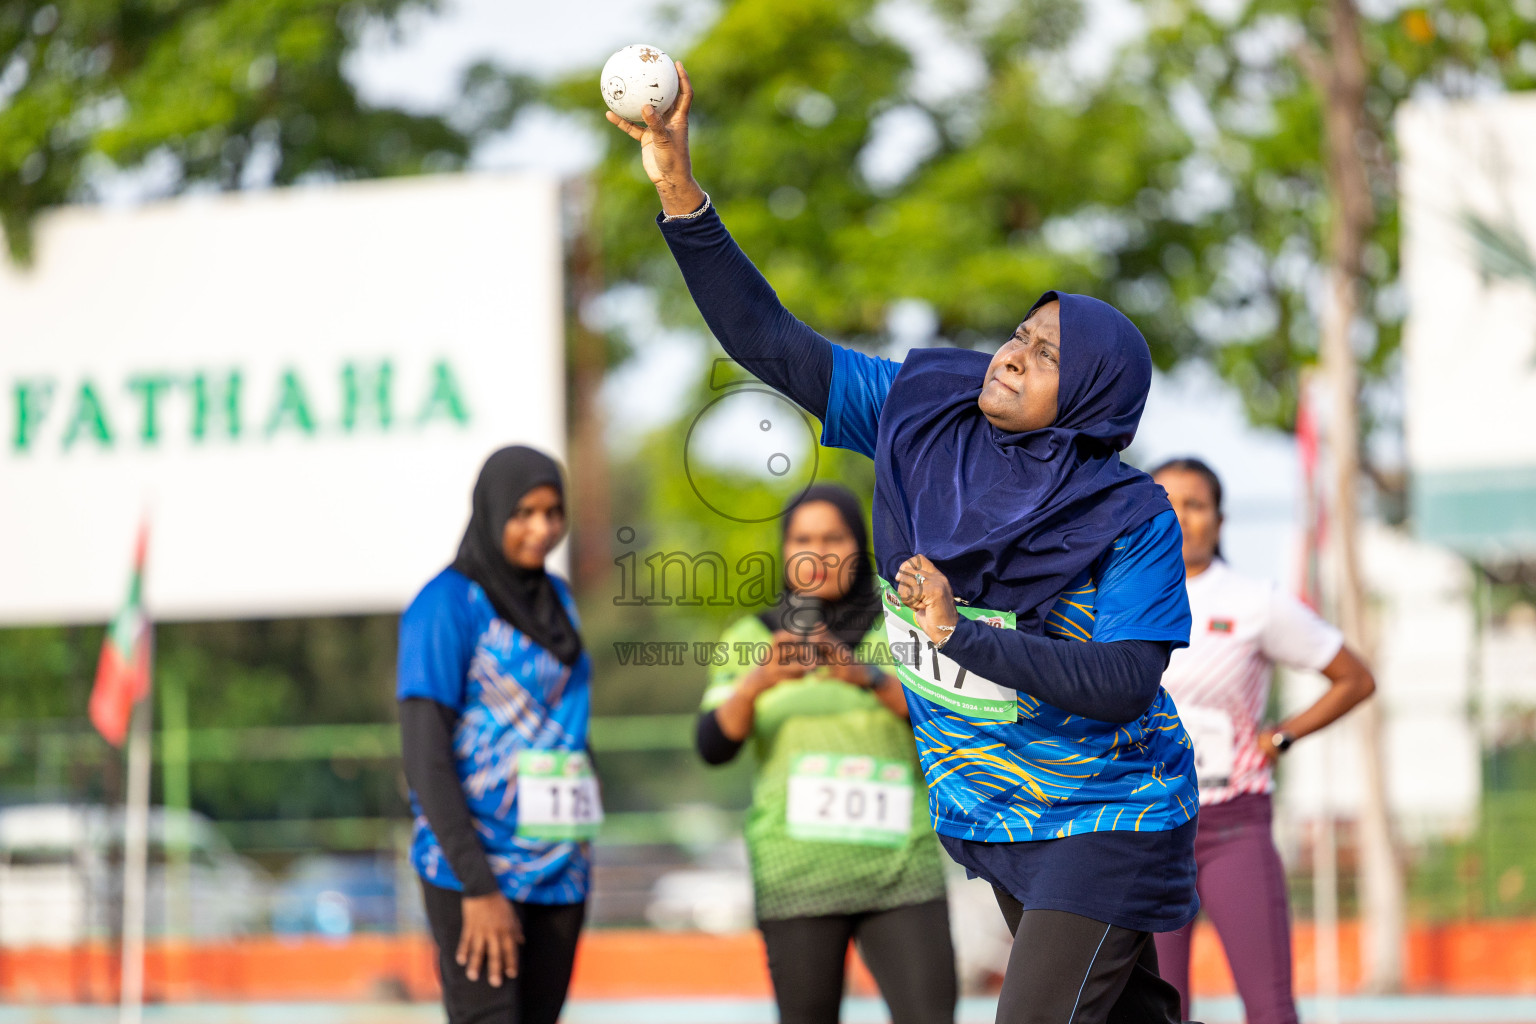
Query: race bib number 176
[[1213, 736], [557, 797]]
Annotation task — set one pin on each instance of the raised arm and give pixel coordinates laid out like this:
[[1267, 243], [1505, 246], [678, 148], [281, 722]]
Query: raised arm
[[736, 301], [742, 311]]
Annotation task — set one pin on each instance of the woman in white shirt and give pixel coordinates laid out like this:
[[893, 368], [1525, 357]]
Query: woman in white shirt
[[1241, 628]]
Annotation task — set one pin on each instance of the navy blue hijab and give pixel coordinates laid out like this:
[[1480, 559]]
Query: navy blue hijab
[[1013, 519]]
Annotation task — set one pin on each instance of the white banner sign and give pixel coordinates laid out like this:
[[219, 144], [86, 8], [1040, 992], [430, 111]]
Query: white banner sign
[[294, 388]]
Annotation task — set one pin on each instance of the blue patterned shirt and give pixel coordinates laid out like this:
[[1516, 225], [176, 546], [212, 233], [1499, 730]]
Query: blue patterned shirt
[[1050, 774], [511, 696]]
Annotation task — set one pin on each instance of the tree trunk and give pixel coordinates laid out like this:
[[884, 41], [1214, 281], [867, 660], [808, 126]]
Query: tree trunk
[[591, 497], [1343, 78]]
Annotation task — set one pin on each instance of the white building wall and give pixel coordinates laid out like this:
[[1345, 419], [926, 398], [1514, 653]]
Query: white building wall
[[1424, 658]]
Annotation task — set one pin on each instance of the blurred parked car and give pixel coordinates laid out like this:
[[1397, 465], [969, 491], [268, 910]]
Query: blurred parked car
[[708, 900], [340, 895], [61, 876]]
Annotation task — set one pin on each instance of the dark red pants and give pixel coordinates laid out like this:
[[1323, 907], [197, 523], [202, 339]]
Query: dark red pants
[[1242, 891]]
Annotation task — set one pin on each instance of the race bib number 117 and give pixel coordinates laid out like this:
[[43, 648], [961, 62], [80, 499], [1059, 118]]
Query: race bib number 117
[[923, 668]]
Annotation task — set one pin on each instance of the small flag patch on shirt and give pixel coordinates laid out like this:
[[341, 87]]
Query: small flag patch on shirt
[[1220, 626]]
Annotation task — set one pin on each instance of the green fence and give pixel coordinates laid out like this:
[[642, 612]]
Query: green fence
[[55, 754]]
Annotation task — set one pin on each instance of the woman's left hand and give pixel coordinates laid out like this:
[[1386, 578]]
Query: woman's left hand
[[841, 663], [924, 589], [834, 657], [1267, 747], [850, 670]]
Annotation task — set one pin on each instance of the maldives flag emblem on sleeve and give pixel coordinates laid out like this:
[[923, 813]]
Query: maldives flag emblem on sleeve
[[122, 674]]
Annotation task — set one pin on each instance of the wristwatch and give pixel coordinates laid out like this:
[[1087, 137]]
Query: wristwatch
[[877, 678], [1281, 740]]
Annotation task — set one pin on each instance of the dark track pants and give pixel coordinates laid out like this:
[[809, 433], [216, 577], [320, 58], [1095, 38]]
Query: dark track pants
[[544, 963], [1069, 969], [907, 949]]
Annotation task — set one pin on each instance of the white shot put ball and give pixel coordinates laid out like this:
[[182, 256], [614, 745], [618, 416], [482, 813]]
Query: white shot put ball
[[638, 75]]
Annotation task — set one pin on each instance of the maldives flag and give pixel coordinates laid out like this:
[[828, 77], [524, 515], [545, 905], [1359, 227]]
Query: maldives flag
[[122, 674], [1308, 447]]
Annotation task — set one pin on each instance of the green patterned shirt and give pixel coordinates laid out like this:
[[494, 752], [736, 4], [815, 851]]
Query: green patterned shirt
[[821, 715]]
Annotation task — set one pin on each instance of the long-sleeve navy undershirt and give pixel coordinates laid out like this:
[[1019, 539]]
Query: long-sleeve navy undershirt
[[426, 746], [1108, 682], [710, 740], [746, 315]]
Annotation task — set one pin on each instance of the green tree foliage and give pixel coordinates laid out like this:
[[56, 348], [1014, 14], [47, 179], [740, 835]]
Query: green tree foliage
[[683, 506], [788, 93], [1235, 228], [790, 97], [1185, 184], [221, 92]]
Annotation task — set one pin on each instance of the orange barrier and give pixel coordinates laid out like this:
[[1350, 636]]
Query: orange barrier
[[363, 967], [1464, 958], [1485, 957]]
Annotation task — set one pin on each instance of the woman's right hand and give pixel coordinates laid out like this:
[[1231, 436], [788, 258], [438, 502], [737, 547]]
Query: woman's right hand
[[789, 657], [664, 150], [492, 933]]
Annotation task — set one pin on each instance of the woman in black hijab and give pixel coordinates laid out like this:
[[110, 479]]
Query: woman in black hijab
[[840, 844], [494, 704]]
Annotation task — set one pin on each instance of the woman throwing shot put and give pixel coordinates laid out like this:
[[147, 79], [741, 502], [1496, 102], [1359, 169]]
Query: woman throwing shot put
[[1035, 587], [1242, 627], [494, 703], [837, 852]]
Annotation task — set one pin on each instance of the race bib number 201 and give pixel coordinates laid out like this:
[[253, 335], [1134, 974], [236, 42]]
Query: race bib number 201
[[850, 798], [924, 669], [557, 797]]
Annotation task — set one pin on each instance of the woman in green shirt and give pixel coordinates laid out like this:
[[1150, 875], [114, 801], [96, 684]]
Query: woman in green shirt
[[840, 847]]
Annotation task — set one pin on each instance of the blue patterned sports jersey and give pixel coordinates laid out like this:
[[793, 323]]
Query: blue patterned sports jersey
[[511, 696], [1050, 774]]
